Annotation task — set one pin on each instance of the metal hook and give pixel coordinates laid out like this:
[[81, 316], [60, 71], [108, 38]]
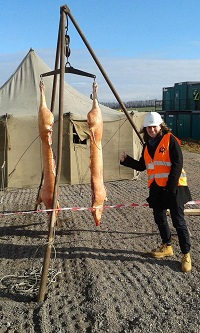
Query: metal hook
[[68, 63]]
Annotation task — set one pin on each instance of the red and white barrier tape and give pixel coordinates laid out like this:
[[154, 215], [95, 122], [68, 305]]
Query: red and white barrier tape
[[6, 213]]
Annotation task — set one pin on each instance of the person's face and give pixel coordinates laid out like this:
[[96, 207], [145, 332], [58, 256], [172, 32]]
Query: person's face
[[153, 131]]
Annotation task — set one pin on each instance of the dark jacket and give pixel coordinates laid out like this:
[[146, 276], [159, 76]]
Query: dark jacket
[[172, 193]]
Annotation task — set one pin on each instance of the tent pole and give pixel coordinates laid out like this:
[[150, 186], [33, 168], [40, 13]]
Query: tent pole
[[52, 221], [67, 11]]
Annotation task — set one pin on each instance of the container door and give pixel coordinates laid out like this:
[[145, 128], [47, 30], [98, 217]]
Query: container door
[[196, 126], [171, 120], [168, 96], [180, 96], [183, 126], [177, 100]]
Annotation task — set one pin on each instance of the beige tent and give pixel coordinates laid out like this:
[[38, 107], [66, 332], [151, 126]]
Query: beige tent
[[20, 148]]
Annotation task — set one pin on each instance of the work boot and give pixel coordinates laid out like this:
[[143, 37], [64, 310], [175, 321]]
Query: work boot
[[163, 251], [186, 264]]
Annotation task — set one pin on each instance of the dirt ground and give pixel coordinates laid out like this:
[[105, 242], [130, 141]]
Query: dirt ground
[[100, 278], [191, 145]]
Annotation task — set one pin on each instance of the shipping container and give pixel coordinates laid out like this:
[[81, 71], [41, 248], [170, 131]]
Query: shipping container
[[183, 125], [192, 87], [182, 109], [171, 122], [168, 99], [195, 126], [180, 97], [179, 123]]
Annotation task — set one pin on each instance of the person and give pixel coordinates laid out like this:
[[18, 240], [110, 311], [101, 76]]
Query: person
[[163, 160], [196, 99]]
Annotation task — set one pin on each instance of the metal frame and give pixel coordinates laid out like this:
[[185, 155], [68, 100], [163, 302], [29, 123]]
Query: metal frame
[[60, 58]]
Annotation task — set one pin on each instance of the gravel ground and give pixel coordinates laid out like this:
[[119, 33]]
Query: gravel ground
[[100, 278]]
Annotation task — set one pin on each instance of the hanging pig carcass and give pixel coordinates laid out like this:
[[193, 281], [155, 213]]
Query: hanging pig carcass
[[45, 125], [95, 123]]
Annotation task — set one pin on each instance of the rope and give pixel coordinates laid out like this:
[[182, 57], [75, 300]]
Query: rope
[[114, 133], [78, 170], [28, 282], [7, 213], [2, 181], [3, 167]]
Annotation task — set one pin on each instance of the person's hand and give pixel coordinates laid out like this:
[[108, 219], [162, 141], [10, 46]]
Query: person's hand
[[123, 156]]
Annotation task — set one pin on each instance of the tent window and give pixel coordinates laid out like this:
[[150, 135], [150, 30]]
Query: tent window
[[76, 138]]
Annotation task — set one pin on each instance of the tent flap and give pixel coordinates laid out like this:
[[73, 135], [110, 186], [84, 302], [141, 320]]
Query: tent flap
[[82, 129]]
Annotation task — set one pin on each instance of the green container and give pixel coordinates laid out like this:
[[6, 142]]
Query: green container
[[180, 96], [171, 122], [184, 125], [192, 86], [183, 95], [196, 125], [179, 123], [168, 99]]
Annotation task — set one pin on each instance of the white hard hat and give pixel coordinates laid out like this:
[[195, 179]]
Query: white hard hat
[[152, 119]]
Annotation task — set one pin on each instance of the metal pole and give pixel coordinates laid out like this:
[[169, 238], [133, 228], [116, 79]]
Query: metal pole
[[55, 76], [67, 11], [47, 255]]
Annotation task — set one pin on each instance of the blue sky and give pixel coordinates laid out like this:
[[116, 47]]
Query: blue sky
[[143, 45]]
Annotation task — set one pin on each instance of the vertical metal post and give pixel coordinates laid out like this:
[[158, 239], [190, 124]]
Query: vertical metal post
[[55, 75], [67, 11], [52, 221]]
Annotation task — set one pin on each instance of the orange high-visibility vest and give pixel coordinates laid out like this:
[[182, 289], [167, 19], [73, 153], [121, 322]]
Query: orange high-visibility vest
[[159, 167]]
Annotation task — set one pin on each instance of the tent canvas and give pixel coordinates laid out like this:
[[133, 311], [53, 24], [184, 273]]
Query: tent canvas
[[20, 146]]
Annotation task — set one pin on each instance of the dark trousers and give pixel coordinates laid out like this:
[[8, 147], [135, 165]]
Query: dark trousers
[[178, 220], [196, 105]]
